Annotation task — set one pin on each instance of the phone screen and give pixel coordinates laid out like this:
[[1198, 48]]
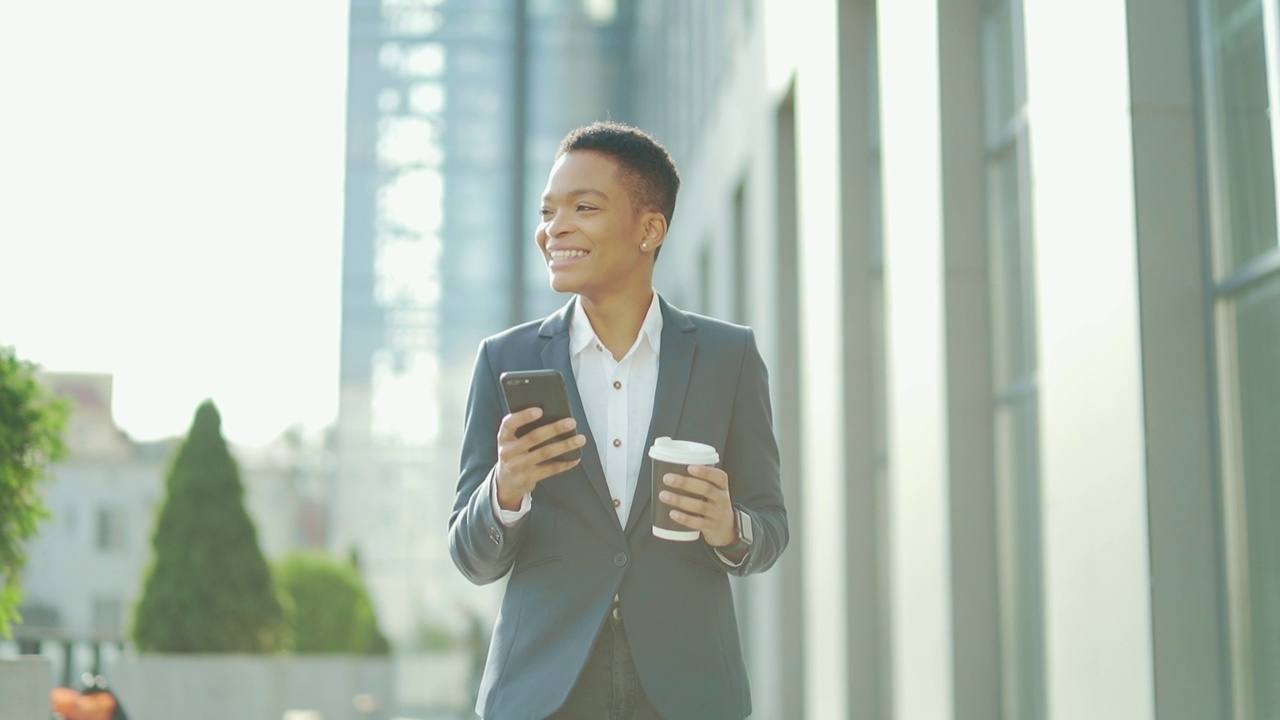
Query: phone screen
[[539, 388]]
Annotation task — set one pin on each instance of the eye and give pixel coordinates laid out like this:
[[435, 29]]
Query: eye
[[583, 207], [545, 213]]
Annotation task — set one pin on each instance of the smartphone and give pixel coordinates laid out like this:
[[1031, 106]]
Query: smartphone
[[524, 389]]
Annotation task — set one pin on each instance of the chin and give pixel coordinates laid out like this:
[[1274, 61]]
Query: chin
[[562, 284]]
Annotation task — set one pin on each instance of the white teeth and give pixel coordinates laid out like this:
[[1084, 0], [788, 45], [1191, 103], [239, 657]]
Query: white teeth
[[567, 254]]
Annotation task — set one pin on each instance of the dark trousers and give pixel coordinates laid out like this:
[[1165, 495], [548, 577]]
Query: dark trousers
[[609, 688]]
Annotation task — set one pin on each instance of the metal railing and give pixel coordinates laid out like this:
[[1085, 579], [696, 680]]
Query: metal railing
[[35, 640]]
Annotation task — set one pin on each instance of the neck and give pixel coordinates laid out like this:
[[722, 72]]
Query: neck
[[617, 318]]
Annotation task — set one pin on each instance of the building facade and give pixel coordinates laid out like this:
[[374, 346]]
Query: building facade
[[85, 566], [1014, 266]]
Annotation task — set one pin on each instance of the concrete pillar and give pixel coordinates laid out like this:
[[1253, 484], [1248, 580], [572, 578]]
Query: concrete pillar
[[862, 314], [1190, 647], [975, 583]]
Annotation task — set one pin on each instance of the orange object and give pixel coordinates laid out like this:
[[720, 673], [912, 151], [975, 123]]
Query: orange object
[[96, 706], [64, 700], [78, 706]]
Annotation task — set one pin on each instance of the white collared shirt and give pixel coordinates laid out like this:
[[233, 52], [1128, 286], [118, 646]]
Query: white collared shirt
[[617, 397]]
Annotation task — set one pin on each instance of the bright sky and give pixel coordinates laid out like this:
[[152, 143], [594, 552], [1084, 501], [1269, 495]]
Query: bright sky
[[171, 204]]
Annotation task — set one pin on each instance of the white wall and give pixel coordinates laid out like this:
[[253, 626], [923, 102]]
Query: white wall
[[65, 566], [245, 687], [24, 689]]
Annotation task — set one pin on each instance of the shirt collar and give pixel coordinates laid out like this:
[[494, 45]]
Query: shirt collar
[[583, 336]]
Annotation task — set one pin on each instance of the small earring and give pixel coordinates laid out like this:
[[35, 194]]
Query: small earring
[[644, 246]]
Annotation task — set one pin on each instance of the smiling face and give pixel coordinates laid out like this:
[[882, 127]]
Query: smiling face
[[591, 233]]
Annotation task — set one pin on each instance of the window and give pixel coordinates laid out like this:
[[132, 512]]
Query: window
[[108, 615], [705, 277], [1240, 120], [1248, 339], [1014, 381], [109, 529], [1239, 44], [741, 253]]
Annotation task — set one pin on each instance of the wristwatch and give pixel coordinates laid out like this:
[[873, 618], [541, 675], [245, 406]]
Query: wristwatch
[[745, 536]]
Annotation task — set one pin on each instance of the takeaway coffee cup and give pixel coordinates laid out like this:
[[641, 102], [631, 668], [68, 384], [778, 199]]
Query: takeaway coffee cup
[[675, 456]]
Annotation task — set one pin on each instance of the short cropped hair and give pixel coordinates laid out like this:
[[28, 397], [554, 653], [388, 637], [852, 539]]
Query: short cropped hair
[[646, 169]]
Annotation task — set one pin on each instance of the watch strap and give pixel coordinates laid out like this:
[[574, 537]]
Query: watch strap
[[741, 523]]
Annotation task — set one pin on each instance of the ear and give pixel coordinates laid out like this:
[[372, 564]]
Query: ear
[[653, 230]]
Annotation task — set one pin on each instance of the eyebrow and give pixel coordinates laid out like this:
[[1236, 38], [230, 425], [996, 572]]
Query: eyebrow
[[579, 193]]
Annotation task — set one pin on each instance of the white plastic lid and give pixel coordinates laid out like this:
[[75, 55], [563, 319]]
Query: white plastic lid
[[683, 452]]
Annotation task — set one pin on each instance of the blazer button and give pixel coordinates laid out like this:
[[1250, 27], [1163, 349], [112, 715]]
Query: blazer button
[[620, 559]]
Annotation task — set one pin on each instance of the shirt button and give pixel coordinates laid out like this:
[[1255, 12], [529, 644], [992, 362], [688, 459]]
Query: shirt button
[[617, 442], [617, 385], [617, 502], [620, 559], [598, 348]]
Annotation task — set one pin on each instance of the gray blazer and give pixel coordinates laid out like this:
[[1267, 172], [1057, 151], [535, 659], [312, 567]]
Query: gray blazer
[[570, 555]]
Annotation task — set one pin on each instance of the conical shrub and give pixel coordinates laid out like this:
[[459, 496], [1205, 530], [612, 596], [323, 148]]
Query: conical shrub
[[208, 589]]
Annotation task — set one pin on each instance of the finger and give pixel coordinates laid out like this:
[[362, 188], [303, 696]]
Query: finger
[[691, 505], [526, 472], [518, 455], [697, 486], [559, 466], [556, 449], [511, 448], [546, 432], [713, 475], [691, 521], [538, 473], [516, 420]]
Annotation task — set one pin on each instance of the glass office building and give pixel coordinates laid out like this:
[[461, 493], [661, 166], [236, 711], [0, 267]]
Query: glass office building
[[1239, 115], [1015, 270]]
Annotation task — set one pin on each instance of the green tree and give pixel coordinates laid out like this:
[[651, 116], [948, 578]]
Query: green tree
[[208, 589], [31, 423], [332, 609]]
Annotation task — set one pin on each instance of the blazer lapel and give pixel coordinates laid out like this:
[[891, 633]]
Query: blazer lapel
[[675, 363], [555, 355]]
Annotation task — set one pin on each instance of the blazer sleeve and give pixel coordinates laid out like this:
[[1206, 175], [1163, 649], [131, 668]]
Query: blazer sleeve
[[751, 462], [482, 547]]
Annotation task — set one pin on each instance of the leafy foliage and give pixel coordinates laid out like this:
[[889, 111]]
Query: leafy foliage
[[31, 424], [209, 589], [332, 609]]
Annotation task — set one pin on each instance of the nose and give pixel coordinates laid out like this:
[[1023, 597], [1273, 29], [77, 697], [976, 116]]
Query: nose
[[557, 224]]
